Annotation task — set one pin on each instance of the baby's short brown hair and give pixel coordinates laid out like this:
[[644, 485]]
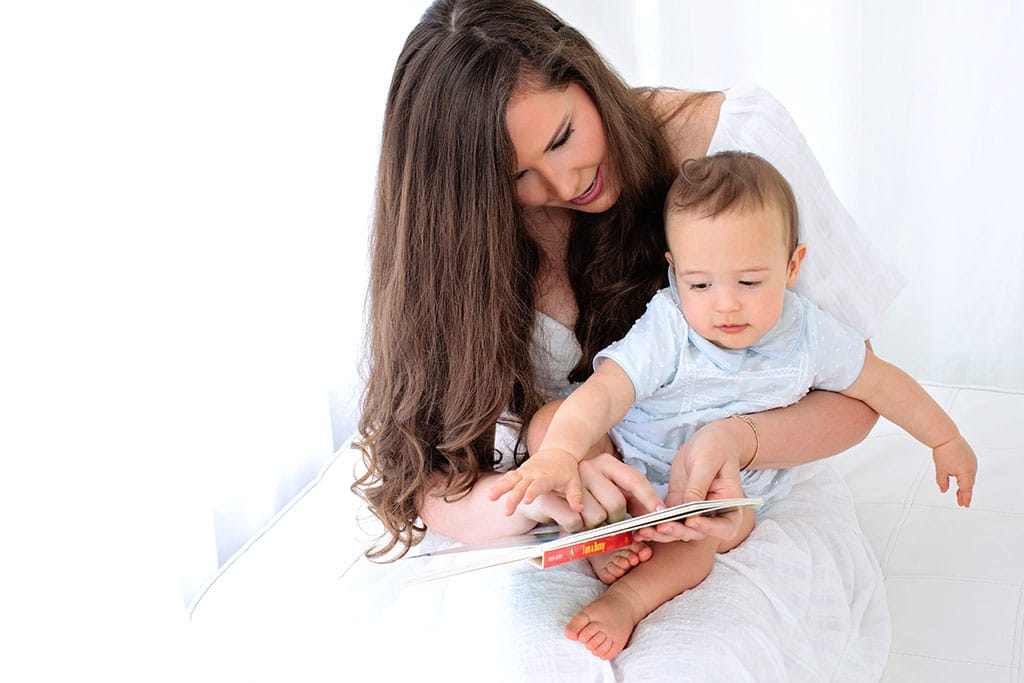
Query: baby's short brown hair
[[732, 181]]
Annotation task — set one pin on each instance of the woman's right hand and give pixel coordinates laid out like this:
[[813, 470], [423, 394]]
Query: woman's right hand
[[610, 487]]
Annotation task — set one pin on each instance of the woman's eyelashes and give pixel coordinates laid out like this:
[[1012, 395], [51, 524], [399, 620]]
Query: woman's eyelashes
[[558, 143], [565, 137]]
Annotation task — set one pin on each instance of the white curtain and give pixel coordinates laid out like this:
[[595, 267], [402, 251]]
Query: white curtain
[[914, 109], [186, 190]]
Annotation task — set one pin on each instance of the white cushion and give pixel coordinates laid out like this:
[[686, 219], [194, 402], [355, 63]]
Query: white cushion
[[954, 577]]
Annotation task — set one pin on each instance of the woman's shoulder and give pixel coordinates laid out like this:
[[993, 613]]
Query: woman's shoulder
[[696, 123], [752, 119], [688, 119]]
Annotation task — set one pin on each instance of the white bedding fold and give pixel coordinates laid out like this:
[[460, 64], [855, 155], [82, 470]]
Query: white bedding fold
[[801, 599]]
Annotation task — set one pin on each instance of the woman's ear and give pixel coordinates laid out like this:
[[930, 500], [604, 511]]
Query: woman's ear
[[794, 264], [668, 257]]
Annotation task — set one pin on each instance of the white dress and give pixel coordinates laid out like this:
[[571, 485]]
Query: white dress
[[802, 599]]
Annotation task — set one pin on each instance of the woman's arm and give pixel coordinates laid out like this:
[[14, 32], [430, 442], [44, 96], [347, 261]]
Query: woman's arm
[[608, 487], [475, 517], [819, 425], [688, 121]]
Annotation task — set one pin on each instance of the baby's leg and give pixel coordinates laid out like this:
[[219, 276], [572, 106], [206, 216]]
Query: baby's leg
[[605, 625], [613, 565]]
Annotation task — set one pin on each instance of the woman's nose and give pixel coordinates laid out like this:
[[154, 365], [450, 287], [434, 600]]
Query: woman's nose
[[562, 183]]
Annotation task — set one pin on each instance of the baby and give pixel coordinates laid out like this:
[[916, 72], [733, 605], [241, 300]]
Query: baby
[[727, 338]]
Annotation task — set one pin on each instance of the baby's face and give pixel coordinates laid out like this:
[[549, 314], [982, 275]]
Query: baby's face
[[732, 271]]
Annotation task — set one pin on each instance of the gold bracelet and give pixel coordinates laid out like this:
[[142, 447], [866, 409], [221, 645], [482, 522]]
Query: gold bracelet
[[757, 440]]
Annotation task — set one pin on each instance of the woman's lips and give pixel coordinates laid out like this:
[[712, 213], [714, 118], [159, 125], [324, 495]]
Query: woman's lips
[[592, 192]]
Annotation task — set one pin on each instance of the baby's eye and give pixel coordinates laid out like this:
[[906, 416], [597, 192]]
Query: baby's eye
[[699, 286], [750, 283]]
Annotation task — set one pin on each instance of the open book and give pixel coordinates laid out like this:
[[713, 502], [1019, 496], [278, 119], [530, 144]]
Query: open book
[[547, 546]]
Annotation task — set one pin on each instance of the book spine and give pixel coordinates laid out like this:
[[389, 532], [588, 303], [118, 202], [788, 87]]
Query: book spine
[[581, 550]]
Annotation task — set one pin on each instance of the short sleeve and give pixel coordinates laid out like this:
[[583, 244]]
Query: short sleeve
[[837, 350], [844, 273], [649, 353]]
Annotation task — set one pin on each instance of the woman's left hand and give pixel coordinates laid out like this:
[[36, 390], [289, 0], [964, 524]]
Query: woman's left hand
[[707, 467]]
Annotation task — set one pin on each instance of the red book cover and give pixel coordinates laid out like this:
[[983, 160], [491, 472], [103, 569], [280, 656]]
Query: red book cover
[[550, 558]]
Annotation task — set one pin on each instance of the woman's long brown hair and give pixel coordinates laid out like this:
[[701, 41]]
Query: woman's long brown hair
[[453, 269]]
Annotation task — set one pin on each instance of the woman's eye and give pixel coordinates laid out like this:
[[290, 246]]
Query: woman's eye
[[558, 143], [565, 138], [750, 283]]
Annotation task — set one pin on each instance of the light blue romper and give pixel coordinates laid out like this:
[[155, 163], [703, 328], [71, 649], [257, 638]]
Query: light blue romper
[[683, 382]]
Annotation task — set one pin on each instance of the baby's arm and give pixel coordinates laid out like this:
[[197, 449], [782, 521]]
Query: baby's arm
[[895, 395], [584, 417]]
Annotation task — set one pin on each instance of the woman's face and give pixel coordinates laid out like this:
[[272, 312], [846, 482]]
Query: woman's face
[[560, 151]]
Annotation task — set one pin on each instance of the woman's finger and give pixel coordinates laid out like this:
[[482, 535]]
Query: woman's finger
[[552, 506], [594, 513], [701, 473], [605, 493], [668, 532], [725, 525], [632, 484]]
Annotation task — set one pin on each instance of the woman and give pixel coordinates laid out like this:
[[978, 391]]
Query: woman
[[519, 213]]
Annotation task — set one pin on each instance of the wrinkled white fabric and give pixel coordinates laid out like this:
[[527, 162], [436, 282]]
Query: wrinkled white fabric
[[801, 599]]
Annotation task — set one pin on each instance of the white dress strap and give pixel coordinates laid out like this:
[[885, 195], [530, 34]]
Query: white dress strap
[[555, 352]]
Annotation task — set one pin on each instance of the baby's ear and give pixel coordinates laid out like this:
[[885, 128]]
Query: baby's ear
[[794, 264], [668, 257]]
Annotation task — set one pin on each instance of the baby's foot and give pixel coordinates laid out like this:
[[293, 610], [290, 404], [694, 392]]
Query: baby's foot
[[604, 626], [613, 565]]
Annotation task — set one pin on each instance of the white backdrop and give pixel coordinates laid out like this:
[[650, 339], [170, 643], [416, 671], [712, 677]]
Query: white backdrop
[[185, 194]]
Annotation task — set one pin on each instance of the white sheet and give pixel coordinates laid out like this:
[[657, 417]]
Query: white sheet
[[297, 603], [801, 599]]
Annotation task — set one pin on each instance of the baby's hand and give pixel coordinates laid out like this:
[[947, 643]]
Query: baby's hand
[[956, 459], [547, 470]]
